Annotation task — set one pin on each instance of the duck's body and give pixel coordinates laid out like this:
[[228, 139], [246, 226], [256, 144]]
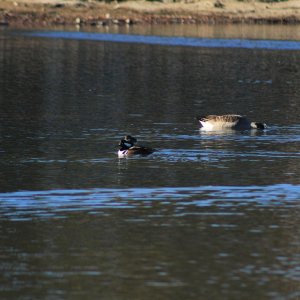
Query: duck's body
[[135, 150], [127, 148], [231, 121]]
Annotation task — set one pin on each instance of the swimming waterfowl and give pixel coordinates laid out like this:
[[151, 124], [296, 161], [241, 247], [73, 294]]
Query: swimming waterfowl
[[127, 148], [231, 121]]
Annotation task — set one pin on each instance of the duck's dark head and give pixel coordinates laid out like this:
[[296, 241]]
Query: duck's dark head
[[127, 142]]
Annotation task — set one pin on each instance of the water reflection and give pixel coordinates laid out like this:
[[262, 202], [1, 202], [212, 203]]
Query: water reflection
[[230, 238], [209, 216], [54, 203], [228, 31], [173, 41]]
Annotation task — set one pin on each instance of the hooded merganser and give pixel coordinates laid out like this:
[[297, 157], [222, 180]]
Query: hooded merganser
[[128, 148], [231, 121]]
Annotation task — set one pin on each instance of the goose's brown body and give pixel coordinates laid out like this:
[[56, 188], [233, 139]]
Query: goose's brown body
[[230, 121]]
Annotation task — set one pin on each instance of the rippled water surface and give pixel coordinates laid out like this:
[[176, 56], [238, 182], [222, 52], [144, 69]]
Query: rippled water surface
[[210, 215]]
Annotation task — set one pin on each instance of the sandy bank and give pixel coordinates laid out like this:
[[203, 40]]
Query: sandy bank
[[27, 13]]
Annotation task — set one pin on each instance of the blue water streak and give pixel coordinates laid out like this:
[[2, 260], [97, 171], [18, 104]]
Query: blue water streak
[[20, 205], [171, 41]]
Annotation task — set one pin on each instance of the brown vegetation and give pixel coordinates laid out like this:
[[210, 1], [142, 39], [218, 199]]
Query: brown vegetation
[[28, 13]]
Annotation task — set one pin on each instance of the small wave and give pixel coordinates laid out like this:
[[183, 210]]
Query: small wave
[[52, 203]]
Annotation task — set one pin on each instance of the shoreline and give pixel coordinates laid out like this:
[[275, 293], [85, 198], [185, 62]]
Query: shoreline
[[45, 13]]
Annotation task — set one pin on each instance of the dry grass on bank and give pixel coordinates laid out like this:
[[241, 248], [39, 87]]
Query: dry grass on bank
[[92, 12]]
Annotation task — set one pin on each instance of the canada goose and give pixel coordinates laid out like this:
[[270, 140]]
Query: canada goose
[[231, 121], [127, 148]]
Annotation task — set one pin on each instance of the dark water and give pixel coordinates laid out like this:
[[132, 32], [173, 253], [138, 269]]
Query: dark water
[[208, 216]]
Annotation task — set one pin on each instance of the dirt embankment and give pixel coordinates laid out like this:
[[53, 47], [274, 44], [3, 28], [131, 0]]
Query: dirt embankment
[[29, 13]]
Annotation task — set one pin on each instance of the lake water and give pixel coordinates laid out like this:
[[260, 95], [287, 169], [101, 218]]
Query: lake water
[[210, 215]]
